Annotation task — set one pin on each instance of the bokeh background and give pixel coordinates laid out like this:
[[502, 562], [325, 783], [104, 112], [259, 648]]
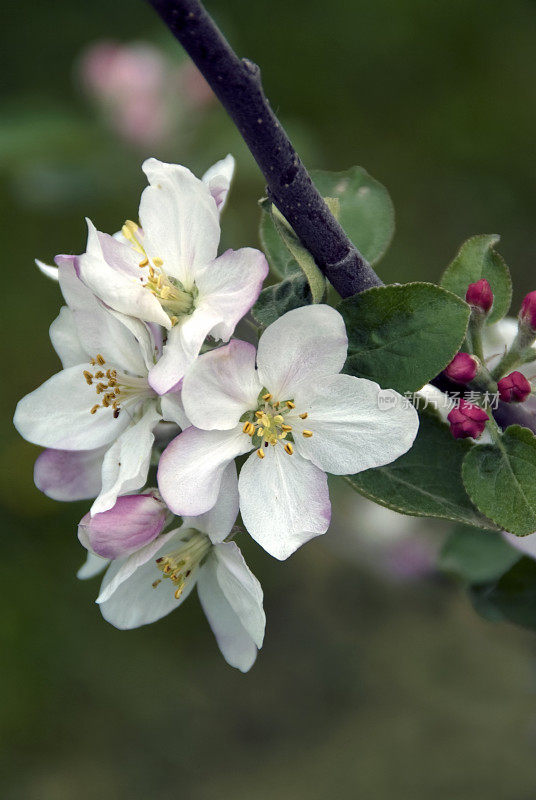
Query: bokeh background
[[377, 679]]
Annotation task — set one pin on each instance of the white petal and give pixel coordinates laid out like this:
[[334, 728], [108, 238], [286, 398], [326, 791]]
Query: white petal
[[351, 432], [181, 349], [126, 463], [92, 566], [47, 269], [284, 501], [230, 285], [111, 270], [179, 218], [241, 588], [57, 414], [304, 346], [218, 178], [221, 386], [65, 340], [235, 643], [128, 598], [218, 522], [69, 475], [191, 468], [99, 329], [173, 409]]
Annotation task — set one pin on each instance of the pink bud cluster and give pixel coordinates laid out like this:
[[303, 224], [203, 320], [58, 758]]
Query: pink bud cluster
[[479, 295], [462, 368], [467, 420], [527, 315], [514, 388]]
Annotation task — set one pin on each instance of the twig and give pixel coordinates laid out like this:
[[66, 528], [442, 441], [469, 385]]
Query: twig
[[237, 84]]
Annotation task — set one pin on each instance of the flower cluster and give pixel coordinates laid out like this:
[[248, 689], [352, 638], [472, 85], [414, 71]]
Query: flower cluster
[[154, 390]]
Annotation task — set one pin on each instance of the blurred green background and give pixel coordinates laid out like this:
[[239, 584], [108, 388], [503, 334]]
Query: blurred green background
[[371, 682]]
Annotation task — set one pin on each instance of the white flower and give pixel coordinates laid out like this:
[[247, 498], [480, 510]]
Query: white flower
[[167, 271], [154, 580], [300, 415], [100, 407]]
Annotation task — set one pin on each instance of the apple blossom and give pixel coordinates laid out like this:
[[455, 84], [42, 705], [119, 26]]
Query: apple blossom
[[462, 368], [155, 579], [480, 295], [100, 408], [467, 420], [299, 414], [167, 271]]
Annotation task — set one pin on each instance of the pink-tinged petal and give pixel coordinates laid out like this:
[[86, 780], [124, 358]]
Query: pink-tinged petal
[[126, 463], [230, 285], [191, 468], [218, 179], [57, 415], [184, 342], [69, 475], [128, 597], [301, 349], [284, 501], [65, 340], [108, 268], [218, 522], [235, 643], [352, 431], [47, 269], [221, 386], [179, 219], [241, 588], [134, 521], [91, 567]]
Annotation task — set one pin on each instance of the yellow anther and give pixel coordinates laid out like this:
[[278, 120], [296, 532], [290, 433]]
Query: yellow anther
[[260, 432], [307, 434], [131, 226], [265, 420], [99, 374], [260, 452], [289, 449], [174, 320], [100, 359], [178, 593], [282, 435], [290, 404], [144, 262], [160, 281], [105, 401], [286, 427], [158, 262], [94, 409], [267, 397], [276, 405], [259, 414], [278, 419], [246, 427], [100, 388], [155, 583], [88, 376], [304, 415], [152, 273]]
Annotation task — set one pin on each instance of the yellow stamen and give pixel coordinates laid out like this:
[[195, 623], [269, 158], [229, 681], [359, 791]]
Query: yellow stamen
[[155, 583], [278, 419], [94, 409], [178, 593], [260, 432], [307, 434], [286, 427], [100, 359], [304, 415], [158, 262], [245, 429], [289, 449], [258, 414], [260, 452], [99, 374], [290, 404], [267, 397], [144, 262], [130, 225], [88, 376]]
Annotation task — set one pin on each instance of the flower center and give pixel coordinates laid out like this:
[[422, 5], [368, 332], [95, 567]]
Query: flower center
[[113, 388], [176, 300], [180, 563], [274, 421]]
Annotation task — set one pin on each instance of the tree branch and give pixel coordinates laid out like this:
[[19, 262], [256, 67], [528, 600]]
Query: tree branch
[[237, 84]]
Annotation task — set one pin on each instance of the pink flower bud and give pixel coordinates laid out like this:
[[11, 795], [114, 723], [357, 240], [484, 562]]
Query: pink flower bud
[[528, 310], [479, 294], [467, 420], [462, 368], [134, 521], [514, 388]]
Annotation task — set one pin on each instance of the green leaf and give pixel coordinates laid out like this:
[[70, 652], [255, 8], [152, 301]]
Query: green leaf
[[278, 255], [366, 210], [512, 597], [303, 257], [477, 259], [403, 336], [276, 300], [477, 556], [501, 480], [426, 481]]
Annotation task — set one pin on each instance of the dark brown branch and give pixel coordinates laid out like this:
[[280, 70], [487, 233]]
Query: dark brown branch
[[237, 84]]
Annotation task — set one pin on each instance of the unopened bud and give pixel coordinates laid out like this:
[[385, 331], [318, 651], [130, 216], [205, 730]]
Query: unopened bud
[[134, 521], [467, 420], [479, 294], [527, 315], [462, 368], [514, 388]]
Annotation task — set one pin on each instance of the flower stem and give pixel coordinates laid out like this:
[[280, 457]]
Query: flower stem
[[237, 84]]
